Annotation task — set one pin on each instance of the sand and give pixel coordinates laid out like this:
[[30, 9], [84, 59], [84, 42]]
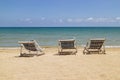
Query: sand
[[60, 67]]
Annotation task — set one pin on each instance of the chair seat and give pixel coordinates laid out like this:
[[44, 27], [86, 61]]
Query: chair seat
[[31, 47], [93, 50], [95, 45], [66, 44]]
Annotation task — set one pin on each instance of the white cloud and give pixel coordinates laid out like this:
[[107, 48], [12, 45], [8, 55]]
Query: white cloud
[[90, 19], [60, 20], [117, 18], [101, 20], [70, 20], [26, 20], [29, 20], [93, 20], [43, 18], [106, 20], [78, 20]]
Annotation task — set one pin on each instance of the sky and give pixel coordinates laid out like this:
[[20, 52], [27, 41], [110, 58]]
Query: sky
[[40, 13]]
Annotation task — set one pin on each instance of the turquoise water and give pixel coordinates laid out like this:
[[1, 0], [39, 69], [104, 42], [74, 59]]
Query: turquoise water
[[49, 36]]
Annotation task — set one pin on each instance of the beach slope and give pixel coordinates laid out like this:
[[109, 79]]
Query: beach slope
[[59, 67]]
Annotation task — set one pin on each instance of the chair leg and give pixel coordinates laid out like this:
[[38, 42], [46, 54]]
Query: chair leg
[[103, 51], [84, 52], [76, 52], [21, 51], [61, 51], [36, 52]]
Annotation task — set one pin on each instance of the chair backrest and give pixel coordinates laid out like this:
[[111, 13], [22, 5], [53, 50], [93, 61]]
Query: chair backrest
[[30, 45], [96, 43], [67, 44]]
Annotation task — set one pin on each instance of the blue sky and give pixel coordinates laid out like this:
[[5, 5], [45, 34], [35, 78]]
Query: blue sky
[[59, 13]]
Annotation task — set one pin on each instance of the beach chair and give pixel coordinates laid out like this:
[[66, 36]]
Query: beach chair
[[32, 48], [95, 45], [67, 46]]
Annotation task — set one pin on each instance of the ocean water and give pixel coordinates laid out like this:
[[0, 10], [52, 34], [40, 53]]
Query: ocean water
[[49, 36]]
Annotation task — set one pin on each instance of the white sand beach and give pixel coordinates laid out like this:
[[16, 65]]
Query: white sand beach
[[59, 67]]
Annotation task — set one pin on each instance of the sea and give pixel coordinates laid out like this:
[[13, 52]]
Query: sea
[[49, 36]]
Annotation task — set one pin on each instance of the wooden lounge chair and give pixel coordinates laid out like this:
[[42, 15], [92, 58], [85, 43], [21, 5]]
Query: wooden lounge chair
[[95, 45], [67, 46], [32, 48]]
